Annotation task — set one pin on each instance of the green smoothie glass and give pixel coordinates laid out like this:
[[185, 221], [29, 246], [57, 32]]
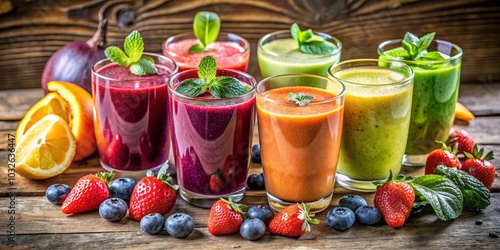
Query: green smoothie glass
[[376, 120], [434, 97], [278, 53]]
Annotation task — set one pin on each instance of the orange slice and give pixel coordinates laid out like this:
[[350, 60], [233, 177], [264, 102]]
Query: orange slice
[[80, 109], [46, 149], [462, 113]]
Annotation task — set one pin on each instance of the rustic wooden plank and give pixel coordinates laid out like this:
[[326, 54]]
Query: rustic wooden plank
[[42, 225], [482, 98], [15, 103], [36, 29]]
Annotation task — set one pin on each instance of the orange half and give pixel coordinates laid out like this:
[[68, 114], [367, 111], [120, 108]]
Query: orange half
[[462, 113]]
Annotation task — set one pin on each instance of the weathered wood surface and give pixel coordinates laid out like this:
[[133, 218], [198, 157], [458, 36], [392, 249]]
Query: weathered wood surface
[[33, 30]]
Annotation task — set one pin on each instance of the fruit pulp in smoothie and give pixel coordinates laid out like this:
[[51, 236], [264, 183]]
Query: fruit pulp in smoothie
[[131, 120], [211, 144], [282, 56], [228, 55], [299, 145], [376, 123]]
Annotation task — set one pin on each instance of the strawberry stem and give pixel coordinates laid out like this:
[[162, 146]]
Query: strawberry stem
[[306, 216], [240, 208], [477, 153], [391, 178], [107, 177]]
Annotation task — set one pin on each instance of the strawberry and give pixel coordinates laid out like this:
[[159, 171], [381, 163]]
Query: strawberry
[[394, 199], [480, 167], [462, 140], [88, 193], [225, 217], [153, 194], [443, 156], [293, 221], [216, 182]]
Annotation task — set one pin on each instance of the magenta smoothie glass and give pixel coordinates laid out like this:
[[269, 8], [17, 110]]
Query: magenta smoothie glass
[[131, 116], [211, 140]]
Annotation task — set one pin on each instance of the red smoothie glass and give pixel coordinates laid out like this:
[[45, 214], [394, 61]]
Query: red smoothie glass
[[230, 51], [131, 116], [211, 140]]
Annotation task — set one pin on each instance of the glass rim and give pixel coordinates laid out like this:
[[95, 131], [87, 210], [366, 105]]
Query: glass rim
[[108, 61], [395, 41], [195, 98], [396, 83], [246, 48], [329, 100], [335, 40]]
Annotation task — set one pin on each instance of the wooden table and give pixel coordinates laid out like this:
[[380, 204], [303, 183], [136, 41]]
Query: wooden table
[[40, 224]]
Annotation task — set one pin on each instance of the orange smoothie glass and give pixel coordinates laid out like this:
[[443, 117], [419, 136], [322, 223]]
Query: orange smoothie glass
[[299, 144]]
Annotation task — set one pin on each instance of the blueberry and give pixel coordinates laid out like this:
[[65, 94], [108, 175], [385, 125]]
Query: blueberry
[[256, 153], [352, 202], [56, 193], [152, 223], [113, 209], [252, 229], [340, 218], [179, 225], [263, 213], [367, 215], [256, 182], [122, 188]]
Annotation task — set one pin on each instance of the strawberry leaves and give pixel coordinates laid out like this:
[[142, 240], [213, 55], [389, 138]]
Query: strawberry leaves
[[163, 176]]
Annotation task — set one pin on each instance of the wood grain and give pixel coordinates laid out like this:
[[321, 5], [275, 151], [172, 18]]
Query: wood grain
[[30, 34]]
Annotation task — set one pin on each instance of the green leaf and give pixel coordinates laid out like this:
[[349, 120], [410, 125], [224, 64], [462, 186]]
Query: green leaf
[[410, 48], [476, 195], [425, 41], [295, 32], [207, 69], [411, 39], [134, 46], [305, 35], [206, 27], [197, 48], [300, 99], [192, 87], [226, 87], [432, 56], [148, 58], [117, 55], [143, 67], [400, 53], [316, 47], [442, 194]]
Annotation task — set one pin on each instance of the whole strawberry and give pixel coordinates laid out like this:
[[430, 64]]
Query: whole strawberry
[[153, 194], [462, 140], [88, 193], [293, 221], [394, 199], [480, 167], [225, 217], [443, 156]]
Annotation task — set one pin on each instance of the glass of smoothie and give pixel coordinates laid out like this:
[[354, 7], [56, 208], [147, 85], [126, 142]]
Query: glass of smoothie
[[435, 94], [211, 139], [278, 53], [299, 144], [376, 121], [131, 116]]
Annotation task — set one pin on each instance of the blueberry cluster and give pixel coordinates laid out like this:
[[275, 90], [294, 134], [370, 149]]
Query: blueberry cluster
[[179, 225], [258, 218], [351, 208]]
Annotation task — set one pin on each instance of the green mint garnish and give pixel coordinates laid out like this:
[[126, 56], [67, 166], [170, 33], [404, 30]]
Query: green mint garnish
[[134, 47], [220, 87], [299, 99], [415, 48], [307, 43], [206, 27]]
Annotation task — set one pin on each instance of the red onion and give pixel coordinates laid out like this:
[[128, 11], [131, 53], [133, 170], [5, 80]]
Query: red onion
[[73, 62]]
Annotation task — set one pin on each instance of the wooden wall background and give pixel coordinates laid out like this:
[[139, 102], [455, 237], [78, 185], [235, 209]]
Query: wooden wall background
[[31, 30]]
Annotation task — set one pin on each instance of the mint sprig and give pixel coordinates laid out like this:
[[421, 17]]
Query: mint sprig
[[206, 27], [307, 43], [299, 99], [415, 48], [132, 56], [220, 87]]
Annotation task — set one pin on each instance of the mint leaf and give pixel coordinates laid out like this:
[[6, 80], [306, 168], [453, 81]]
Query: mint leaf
[[432, 56], [134, 46], [306, 44], [117, 55], [226, 87], [300, 99], [192, 87], [149, 59], [416, 48], [425, 41], [441, 193], [476, 195], [399, 53], [207, 68], [410, 48], [143, 67], [306, 35], [295, 32], [197, 48], [206, 27]]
